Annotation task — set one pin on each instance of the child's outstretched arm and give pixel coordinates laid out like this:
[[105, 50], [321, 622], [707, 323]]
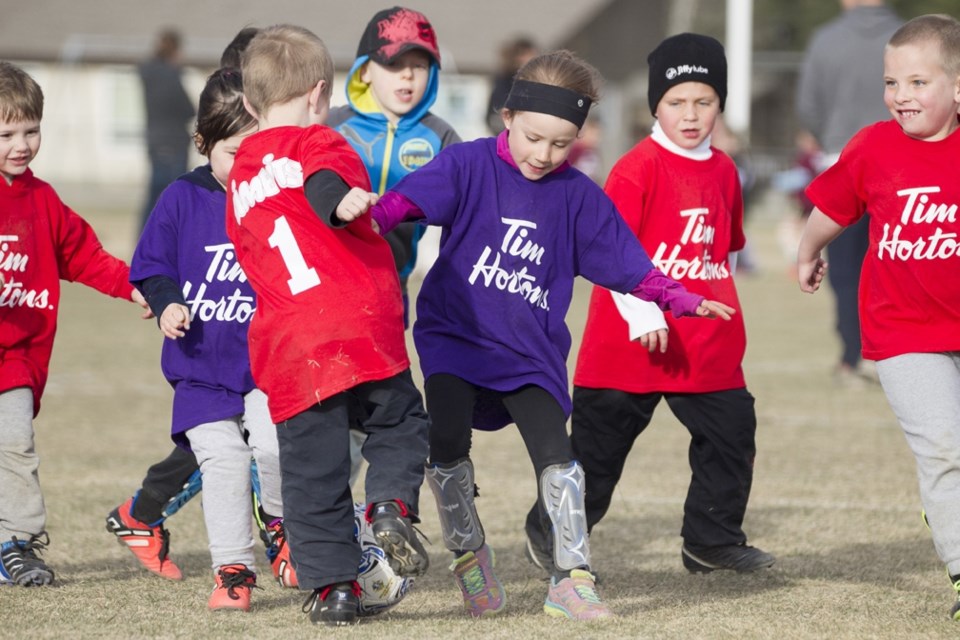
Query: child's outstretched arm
[[819, 231], [670, 294], [392, 209]]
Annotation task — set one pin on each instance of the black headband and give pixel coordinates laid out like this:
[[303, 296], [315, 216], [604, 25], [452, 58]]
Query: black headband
[[549, 99]]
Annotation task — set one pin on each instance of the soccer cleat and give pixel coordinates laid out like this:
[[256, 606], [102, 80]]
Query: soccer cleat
[[234, 582], [741, 558], [575, 597], [397, 537], [482, 591], [335, 605], [150, 544], [278, 553], [20, 565]]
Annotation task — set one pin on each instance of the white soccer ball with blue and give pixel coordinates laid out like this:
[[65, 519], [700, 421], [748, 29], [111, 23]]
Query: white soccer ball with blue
[[381, 588]]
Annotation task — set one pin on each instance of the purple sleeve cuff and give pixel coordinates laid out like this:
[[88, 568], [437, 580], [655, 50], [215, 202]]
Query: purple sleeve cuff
[[667, 293], [392, 209]]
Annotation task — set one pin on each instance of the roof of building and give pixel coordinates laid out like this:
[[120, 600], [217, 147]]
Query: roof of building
[[469, 33]]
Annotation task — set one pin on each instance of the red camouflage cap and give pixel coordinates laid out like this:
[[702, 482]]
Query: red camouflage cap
[[392, 32]]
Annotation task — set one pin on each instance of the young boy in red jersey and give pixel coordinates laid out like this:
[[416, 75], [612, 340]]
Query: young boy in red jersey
[[327, 341], [41, 242], [904, 171], [681, 197]]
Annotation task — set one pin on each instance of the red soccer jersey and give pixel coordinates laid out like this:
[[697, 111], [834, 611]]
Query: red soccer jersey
[[909, 291], [329, 313], [688, 214], [41, 241]]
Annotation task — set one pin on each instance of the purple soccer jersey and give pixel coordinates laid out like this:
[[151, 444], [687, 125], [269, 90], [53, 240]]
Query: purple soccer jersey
[[185, 239], [492, 308]]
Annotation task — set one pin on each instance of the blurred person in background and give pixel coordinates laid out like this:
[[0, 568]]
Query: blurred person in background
[[169, 112], [513, 54], [840, 91]]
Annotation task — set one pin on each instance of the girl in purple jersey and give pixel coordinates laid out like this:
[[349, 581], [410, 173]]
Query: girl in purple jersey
[[518, 225], [187, 269]]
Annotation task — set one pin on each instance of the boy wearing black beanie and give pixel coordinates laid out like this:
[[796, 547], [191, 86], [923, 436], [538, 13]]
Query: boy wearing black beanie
[[682, 198]]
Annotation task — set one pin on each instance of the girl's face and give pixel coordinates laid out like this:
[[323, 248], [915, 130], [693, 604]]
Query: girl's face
[[687, 113], [223, 152], [399, 86], [19, 143], [539, 142], [920, 95]]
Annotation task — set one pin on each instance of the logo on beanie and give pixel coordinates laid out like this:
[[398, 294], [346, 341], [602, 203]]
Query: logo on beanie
[[675, 72]]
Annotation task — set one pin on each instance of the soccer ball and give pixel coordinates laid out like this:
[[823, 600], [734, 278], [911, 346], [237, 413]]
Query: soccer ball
[[380, 587]]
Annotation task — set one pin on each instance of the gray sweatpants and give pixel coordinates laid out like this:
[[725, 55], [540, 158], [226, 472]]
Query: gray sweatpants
[[924, 392], [224, 458], [22, 513]]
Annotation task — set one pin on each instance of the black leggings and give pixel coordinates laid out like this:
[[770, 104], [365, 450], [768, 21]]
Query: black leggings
[[539, 418]]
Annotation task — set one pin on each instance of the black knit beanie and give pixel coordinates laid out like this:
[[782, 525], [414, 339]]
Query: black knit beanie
[[687, 57]]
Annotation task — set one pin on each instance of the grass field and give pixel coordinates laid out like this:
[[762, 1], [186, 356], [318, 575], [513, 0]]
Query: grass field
[[834, 499]]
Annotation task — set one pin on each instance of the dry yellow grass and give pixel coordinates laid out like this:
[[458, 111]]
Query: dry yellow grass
[[834, 498]]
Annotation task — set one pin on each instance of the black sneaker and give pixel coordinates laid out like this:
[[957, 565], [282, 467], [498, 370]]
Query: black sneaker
[[397, 537], [335, 605], [20, 564], [741, 558]]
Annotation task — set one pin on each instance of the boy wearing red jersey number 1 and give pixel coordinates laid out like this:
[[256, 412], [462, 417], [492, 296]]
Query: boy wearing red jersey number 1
[[327, 342]]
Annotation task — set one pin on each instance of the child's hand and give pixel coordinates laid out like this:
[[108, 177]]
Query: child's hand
[[138, 298], [810, 274], [1, 281], [655, 341], [175, 321], [356, 203], [714, 309]]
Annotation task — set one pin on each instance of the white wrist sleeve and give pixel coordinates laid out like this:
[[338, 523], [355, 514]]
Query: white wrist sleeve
[[642, 317]]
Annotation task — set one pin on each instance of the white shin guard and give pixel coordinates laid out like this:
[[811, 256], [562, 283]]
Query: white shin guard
[[561, 486], [453, 488]]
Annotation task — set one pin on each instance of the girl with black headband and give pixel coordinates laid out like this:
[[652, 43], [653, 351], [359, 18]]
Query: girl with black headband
[[518, 225]]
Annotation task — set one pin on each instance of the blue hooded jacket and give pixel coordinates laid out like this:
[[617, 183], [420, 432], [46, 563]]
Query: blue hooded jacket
[[391, 151]]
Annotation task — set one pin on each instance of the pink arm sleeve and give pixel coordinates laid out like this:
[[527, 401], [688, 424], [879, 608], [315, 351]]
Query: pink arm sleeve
[[667, 293], [392, 209]]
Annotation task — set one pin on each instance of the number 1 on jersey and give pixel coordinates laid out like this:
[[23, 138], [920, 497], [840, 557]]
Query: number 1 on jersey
[[302, 277]]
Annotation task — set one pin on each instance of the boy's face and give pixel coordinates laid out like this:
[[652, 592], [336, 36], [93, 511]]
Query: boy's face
[[539, 142], [920, 95], [399, 86], [19, 143], [687, 113]]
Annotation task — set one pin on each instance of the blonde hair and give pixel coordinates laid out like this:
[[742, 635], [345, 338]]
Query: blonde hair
[[20, 96], [563, 69], [935, 27], [284, 62]]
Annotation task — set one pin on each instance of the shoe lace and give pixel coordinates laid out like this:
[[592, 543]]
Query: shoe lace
[[232, 578], [29, 548], [587, 593], [164, 544], [474, 581]]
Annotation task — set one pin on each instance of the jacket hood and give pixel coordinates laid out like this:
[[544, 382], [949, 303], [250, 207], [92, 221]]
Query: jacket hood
[[361, 98]]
